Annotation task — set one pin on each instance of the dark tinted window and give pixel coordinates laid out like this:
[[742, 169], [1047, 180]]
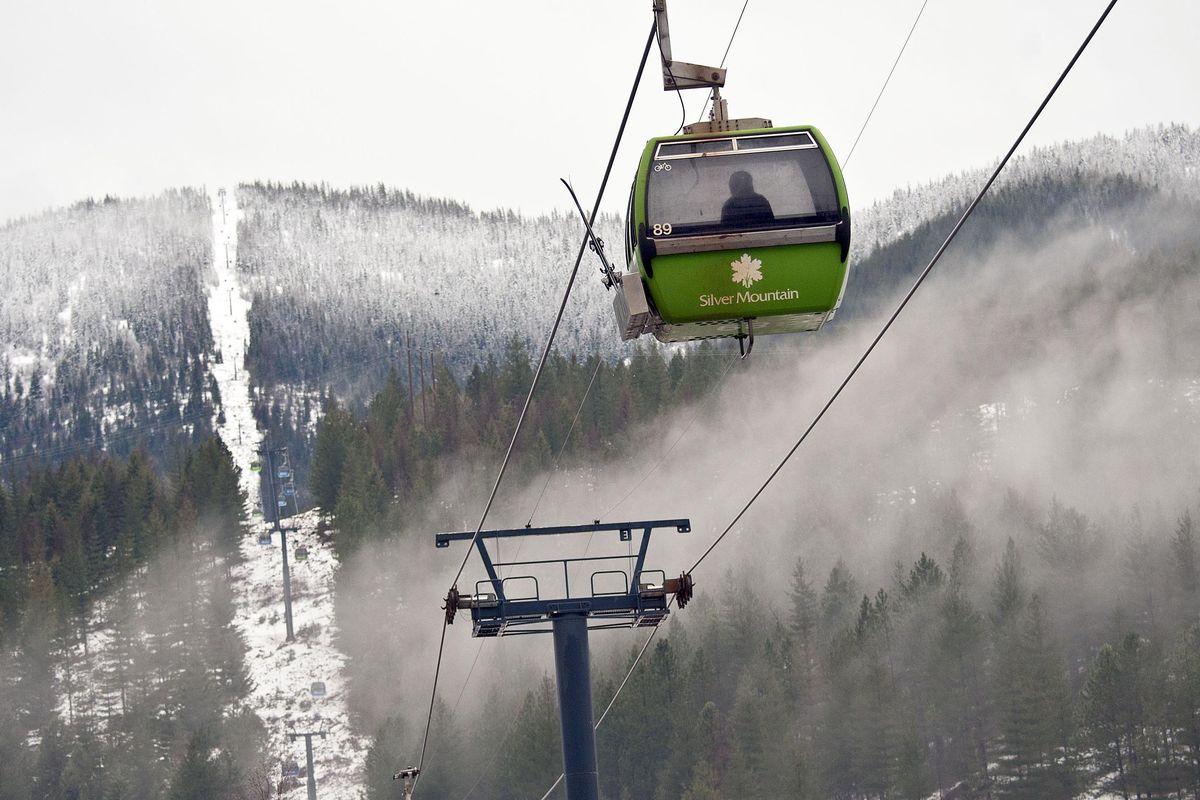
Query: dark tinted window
[[669, 149], [783, 140], [751, 190]]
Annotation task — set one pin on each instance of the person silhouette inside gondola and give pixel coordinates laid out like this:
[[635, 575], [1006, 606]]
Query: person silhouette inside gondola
[[745, 207]]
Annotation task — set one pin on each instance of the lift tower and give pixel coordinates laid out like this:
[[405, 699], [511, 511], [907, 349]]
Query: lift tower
[[280, 493], [308, 754], [614, 598]]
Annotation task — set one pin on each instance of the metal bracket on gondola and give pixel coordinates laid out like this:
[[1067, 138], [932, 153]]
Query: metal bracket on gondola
[[597, 246], [610, 277], [746, 340], [680, 74]]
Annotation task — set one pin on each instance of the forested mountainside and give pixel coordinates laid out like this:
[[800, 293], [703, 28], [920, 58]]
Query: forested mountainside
[[1066, 666], [104, 327], [1028, 209], [1164, 156], [350, 283], [365, 272], [121, 675], [369, 471], [343, 281], [1044, 387]]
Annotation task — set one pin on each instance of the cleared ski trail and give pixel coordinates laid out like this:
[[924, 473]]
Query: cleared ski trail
[[282, 673], [229, 318]]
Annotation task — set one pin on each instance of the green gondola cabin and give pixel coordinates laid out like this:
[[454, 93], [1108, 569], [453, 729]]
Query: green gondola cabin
[[734, 234]]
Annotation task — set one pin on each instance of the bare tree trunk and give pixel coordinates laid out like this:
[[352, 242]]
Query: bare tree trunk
[[412, 395]]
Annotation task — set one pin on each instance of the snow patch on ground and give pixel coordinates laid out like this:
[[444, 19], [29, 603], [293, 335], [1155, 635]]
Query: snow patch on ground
[[85, 670], [229, 318], [283, 673]]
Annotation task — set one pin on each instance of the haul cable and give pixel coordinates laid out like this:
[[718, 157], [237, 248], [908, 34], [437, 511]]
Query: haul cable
[[887, 325], [724, 56], [883, 88], [533, 386]]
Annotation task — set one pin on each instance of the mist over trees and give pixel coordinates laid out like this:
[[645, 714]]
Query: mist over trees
[[976, 678], [120, 672], [953, 621], [368, 471], [983, 582]]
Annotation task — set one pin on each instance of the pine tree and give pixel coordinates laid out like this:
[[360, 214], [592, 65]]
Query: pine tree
[[874, 712], [838, 601], [1185, 572], [839, 746], [1008, 590], [51, 760], [362, 500], [534, 754], [385, 756], [1067, 539], [804, 606], [1034, 714], [335, 437], [37, 642], [961, 645], [1106, 702], [763, 729], [199, 776], [1183, 710], [803, 629]]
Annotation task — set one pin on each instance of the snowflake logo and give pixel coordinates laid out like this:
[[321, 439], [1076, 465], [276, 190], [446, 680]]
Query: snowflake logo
[[747, 271]]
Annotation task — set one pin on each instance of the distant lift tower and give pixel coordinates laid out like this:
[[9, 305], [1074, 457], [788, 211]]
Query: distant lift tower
[[614, 599], [279, 501], [409, 776], [308, 737]]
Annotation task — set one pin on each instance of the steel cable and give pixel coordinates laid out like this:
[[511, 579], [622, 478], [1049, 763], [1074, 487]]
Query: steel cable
[[732, 36], [533, 386], [883, 88], [900, 308], [566, 439], [916, 285]]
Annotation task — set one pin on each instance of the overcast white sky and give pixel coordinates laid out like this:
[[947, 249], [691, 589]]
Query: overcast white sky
[[491, 102]]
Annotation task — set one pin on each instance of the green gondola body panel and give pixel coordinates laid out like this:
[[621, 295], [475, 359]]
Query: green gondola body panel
[[705, 276]]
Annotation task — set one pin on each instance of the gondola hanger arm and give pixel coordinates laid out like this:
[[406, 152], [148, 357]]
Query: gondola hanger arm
[[680, 74]]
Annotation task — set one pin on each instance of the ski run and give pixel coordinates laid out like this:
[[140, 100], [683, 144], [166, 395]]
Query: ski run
[[282, 673]]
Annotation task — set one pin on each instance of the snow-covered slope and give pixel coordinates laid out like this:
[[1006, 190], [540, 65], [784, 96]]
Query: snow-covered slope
[[102, 326], [283, 673], [1165, 156], [345, 281], [228, 314]]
